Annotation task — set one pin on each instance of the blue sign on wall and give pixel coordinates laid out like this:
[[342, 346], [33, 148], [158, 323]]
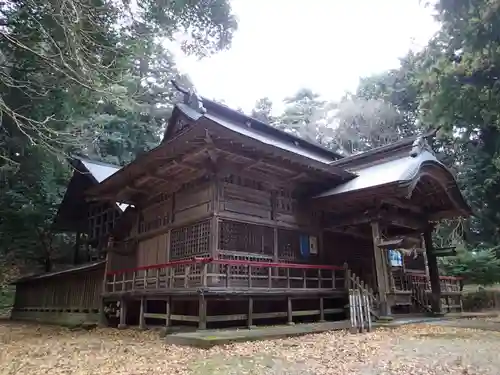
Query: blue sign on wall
[[304, 245]]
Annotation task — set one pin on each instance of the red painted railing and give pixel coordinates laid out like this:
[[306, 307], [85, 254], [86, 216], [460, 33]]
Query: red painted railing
[[408, 281], [225, 273]]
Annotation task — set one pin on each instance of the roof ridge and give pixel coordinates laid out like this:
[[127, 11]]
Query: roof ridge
[[96, 162]]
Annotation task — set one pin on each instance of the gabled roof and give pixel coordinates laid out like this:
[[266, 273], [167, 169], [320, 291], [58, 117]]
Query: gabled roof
[[97, 170], [399, 168], [86, 173], [271, 144], [400, 165], [257, 129]]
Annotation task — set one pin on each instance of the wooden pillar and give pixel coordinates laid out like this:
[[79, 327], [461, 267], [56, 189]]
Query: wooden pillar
[[202, 312], [168, 312], [275, 245], [123, 314], [381, 271], [321, 309], [250, 313], [433, 271], [424, 254], [142, 311], [289, 311], [103, 322]]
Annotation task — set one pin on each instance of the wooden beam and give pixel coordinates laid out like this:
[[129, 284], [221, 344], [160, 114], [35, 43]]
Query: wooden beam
[[433, 271], [380, 270], [404, 205], [380, 215]]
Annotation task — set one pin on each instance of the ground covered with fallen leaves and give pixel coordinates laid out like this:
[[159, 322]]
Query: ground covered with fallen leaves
[[419, 349]]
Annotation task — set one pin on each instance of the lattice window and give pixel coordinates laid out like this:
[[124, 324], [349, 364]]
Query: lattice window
[[189, 241], [101, 220], [285, 201], [156, 216], [249, 238], [288, 245]]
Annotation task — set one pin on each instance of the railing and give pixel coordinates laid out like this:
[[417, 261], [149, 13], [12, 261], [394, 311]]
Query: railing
[[406, 281], [224, 273], [355, 283]]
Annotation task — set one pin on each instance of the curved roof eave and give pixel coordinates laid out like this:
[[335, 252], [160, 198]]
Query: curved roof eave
[[404, 172]]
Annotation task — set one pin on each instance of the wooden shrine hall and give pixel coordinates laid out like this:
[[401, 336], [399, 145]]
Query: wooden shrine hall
[[232, 222]]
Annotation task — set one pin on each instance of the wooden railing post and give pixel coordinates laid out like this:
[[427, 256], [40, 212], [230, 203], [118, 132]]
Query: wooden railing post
[[249, 276], [187, 271], [347, 277], [204, 274], [228, 274]]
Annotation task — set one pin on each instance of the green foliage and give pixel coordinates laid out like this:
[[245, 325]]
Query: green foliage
[[452, 83], [86, 77], [479, 266]]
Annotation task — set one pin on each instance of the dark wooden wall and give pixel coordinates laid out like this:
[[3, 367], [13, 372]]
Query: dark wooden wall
[[69, 291], [357, 252]]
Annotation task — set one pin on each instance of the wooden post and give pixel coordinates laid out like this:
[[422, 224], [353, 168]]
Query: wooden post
[[167, 256], [103, 322], [359, 305], [187, 271], [433, 271], [123, 314], [250, 313], [249, 276], [321, 309], [142, 311], [202, 312], [204, 273], [380, 270], [347, 277], [424, 254], [168, 311], [275, 245], [228, 274], [289, 311]]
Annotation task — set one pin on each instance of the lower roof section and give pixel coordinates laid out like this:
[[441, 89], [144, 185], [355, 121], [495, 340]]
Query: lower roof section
[[420, 178], [71, 270]]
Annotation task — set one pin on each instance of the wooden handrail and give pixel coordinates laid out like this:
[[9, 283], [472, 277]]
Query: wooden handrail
[[229, 262], [452, 278]]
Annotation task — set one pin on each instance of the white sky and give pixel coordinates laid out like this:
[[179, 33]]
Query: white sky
[[325, 45]]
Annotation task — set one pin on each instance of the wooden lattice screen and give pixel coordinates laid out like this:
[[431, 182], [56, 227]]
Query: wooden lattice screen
[[288, 245], [242, 237], [101, 219], [189, 241]]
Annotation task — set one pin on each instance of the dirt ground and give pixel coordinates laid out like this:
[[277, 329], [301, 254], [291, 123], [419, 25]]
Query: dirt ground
[[419, 349]]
